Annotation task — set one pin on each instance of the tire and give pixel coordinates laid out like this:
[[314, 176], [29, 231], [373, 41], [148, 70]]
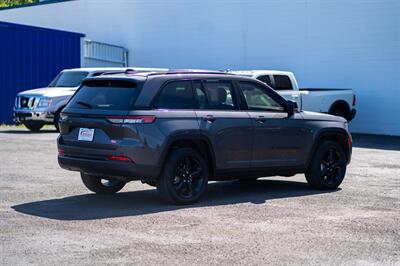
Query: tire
[[56, 119], [328, 167], [101, 185], [34, 126], [184, 178], [341, 113]]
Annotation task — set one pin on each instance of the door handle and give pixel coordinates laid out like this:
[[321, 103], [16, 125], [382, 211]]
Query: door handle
[[261, 119], [209, 118]]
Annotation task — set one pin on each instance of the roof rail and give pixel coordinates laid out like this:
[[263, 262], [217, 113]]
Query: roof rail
[[189, 71], [168, 72]]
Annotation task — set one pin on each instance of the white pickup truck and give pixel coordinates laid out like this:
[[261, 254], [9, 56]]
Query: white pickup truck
[[340, 102]]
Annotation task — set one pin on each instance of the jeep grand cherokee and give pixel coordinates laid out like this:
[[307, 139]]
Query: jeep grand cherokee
[[177, 130]]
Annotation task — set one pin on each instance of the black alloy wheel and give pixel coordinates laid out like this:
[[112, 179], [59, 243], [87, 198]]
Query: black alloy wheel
[[188, 177], [332, 167], [328, 167], [184, 178]]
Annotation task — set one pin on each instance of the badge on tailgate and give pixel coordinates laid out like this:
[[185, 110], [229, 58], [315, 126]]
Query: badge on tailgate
[[86, 134]]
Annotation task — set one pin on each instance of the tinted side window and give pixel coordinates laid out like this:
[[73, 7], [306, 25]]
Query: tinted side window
[[175, 95], [282, 82], [258, 99], [265, 79], [215, 95]]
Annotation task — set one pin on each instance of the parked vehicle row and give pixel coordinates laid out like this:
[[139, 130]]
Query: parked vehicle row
[[37, 107], [177, 130]]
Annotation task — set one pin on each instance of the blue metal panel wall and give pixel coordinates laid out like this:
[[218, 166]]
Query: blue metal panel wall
[[30, 57]]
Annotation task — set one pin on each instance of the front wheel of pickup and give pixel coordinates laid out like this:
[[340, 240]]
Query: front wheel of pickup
[[100, 185], [34, 126], [56, 120], [328, 167], [184, 178]]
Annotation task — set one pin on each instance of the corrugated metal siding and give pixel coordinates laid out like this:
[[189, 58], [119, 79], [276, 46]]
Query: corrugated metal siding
[[97, 54], [30, 57]]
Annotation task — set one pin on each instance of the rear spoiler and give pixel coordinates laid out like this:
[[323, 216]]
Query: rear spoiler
[[111, 82]]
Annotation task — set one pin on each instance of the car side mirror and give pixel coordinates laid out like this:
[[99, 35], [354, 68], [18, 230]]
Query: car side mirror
[[291, 107]]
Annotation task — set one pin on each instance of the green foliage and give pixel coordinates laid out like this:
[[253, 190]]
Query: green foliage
[[6, 3]]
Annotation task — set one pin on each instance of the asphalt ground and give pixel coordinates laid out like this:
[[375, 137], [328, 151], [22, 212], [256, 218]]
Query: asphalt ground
[[47, 216]]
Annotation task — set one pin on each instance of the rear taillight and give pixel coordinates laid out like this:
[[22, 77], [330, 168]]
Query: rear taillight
[[349, 142], [63, 116], [147, 119], [354, 99], [118, 158], [61, 152]]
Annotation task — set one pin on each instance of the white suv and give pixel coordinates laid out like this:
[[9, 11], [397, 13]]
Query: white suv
[[37, 107]]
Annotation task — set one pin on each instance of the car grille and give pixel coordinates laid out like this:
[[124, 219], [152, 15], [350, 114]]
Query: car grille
[[22, 115], [26, 102]]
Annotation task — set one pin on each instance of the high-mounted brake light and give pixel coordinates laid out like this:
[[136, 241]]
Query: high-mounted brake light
[[354, 99], [118, 158], [148, 119]]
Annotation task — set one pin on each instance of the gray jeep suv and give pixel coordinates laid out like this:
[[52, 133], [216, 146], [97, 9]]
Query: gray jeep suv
[[177, 130]]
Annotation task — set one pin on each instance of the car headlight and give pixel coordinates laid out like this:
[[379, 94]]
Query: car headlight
[[44, 102]]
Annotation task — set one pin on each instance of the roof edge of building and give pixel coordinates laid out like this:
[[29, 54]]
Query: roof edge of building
[[31, 27], [35, 4]]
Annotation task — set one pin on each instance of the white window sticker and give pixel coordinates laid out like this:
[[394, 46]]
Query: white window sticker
[[86, 134]]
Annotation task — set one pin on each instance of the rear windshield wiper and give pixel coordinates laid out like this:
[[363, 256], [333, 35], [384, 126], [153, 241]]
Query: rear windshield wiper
[[84, 104]]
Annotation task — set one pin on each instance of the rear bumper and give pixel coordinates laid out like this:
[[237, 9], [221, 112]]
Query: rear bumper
[[352, 114], [121, 170]]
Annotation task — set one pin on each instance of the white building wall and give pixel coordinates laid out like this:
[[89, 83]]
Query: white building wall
[[350, 44]]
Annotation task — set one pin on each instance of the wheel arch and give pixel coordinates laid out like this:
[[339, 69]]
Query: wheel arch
[[59, 109], [337, 135], [198, 142], [341, 105], [57, 116]]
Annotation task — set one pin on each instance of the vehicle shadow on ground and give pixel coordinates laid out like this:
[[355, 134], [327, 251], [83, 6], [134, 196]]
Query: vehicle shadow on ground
[[376, 142], [91, 206], [22, 131]]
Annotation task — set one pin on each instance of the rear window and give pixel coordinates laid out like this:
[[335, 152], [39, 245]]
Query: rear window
[[69, 79], [104, 97], [265, 79], [282, 82]]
